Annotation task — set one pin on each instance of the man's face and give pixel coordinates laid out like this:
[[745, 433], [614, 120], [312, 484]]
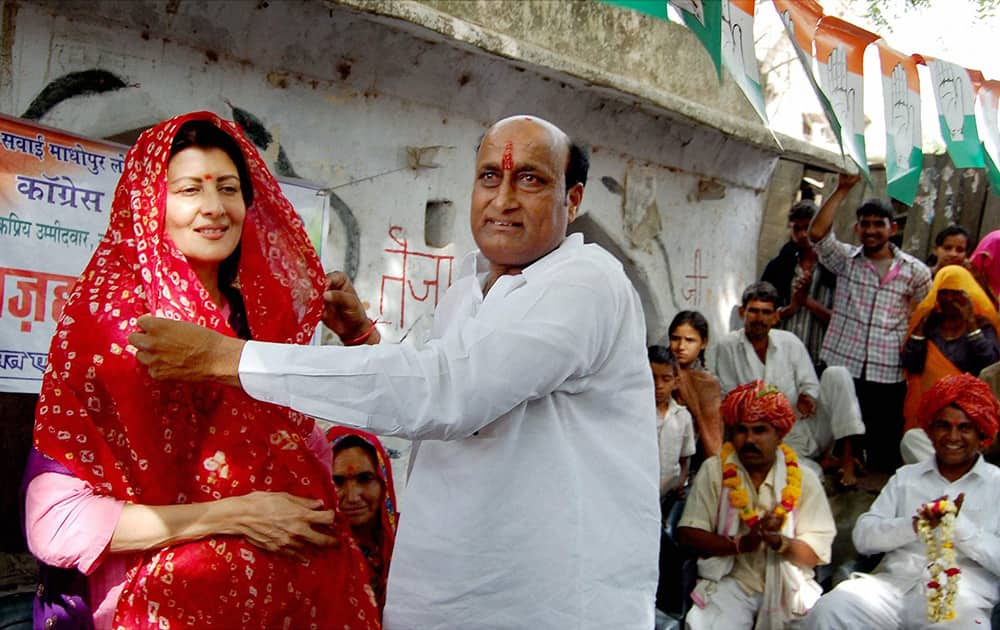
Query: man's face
[[951, 251], [874, 232], [799, 231], [757, 444], [520, 206], [758, 319], [955, 438], [664, 380]]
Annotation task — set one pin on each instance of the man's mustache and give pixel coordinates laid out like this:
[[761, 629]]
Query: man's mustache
[[750, 448]]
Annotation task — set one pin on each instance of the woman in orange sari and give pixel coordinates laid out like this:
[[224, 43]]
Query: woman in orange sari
[[952, 331], [200, 232]]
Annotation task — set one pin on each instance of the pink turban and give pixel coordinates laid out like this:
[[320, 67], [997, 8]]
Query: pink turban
[[757, 401]]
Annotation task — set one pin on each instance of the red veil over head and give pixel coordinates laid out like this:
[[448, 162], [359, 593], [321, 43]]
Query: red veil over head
[[103, 417]]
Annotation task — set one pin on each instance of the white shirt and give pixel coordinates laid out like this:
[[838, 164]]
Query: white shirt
[[888, 526], [788, 366], [675, 430], [534, 501]]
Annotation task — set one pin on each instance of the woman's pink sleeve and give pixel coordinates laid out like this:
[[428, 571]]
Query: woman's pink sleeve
[[67, 524], [320, 447]]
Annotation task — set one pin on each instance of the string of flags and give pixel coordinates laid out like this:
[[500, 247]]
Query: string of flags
[[831, 51]]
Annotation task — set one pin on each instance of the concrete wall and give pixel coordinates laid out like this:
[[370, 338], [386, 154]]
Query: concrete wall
[[386, 114]]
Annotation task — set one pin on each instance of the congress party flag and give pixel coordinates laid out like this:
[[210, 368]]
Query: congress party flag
[[840, 52], [656, 8], [801, 17], [989, 95], [704, 18], [904, 156], [738, 54], [955, 93]]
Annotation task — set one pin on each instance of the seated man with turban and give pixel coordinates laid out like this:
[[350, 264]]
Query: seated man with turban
[[758, 521], [929, 548]]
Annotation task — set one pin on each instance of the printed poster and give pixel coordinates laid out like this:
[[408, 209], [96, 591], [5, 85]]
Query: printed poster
[[904, 156], [840, 51], [704, 18], [955, 93], [56, 192], [989, 95]]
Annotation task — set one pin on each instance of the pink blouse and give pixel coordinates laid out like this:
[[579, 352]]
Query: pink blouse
[[69, 526]]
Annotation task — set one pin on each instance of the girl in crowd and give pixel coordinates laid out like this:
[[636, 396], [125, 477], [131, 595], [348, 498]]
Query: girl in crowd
[[188, 505], [699, 390], [362, 473], [953, 330]]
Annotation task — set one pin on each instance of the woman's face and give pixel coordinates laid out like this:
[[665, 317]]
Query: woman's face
[[205, 208], [686, 344], [951, 251], [358, 486]]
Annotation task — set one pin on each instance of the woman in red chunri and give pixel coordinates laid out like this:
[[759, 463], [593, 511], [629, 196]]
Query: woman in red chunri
[[189, 505]]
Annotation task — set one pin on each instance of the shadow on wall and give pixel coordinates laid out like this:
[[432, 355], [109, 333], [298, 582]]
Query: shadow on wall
[[594, 233]]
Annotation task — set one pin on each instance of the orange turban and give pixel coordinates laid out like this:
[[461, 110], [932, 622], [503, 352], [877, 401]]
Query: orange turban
[[968, 393], [757, 401]]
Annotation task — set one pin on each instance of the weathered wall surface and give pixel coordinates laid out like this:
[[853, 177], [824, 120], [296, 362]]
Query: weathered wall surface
[[385, 115]]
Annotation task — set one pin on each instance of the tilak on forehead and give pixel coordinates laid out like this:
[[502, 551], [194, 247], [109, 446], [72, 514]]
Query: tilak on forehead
[[507, 161], [207, 176]]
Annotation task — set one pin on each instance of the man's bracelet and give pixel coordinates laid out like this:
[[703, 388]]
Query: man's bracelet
[[975, 333], [783, 546], [736, 542], [363, 337]]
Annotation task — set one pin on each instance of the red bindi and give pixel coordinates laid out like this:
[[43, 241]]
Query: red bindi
[[207, 177], [507, 162]]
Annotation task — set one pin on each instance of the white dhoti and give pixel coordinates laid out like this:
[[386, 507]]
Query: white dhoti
[[881, 602], [838, 415]]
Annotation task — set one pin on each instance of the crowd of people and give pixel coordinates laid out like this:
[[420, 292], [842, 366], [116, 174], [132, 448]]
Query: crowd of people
[[179, 478]]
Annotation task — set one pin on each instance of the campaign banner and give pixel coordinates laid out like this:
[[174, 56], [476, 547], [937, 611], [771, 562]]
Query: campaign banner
[[738, 54], [840, 52], [904, 156], [704, 18], [989, 95], [955, 94], [56, 191], [656, 8], [801, 18]]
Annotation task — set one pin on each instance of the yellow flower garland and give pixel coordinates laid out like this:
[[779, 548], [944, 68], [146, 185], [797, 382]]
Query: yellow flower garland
[[740, 499]]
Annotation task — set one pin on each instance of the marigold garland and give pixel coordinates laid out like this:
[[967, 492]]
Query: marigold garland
[[940, 559], [740, 500]]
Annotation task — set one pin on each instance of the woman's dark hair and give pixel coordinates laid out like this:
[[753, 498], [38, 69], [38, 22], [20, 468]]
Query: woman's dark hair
[[203, 134], [695, 320]]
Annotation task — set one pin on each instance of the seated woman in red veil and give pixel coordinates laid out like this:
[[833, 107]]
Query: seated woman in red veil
[[188, 505], [362, 473]]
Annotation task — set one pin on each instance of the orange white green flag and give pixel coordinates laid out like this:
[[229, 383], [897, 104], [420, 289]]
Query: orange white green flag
[[801, 17], [955, 93], [840, 51], [989, 95], [904, 156], [738, 54]]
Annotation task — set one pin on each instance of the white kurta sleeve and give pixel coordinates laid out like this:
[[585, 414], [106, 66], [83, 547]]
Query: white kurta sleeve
[[533, 340], [881, 529]]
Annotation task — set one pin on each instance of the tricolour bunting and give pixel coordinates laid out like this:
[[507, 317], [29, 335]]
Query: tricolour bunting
[[955, 94], [738, 54], [904, 157], [704, 18], [840, 51]]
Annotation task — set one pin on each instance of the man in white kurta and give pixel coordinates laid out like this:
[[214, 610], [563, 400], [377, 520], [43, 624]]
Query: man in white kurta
[[960, 419], [827, 408], [532, 498]]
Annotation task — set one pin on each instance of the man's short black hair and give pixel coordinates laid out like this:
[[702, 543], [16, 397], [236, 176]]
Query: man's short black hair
[[761, 292], [952, 230], [805, 209], [662, 355], [875, 208], [577, 166]]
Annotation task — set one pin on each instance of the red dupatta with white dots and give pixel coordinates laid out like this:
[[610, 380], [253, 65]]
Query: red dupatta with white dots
[[144, 441]]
